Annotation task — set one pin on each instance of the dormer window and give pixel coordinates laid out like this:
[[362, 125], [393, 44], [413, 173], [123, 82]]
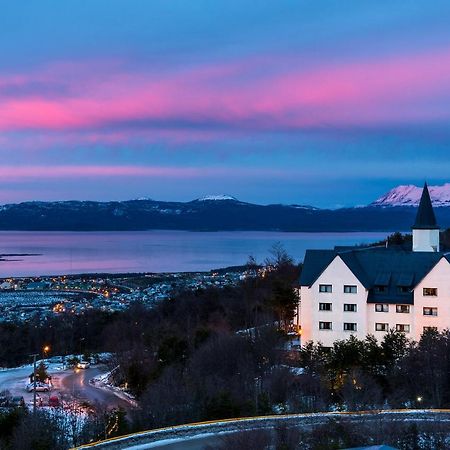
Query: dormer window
[[403, 290], [380, 289]]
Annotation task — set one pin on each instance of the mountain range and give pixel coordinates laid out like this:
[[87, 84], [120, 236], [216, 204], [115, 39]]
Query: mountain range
[[395, 211]]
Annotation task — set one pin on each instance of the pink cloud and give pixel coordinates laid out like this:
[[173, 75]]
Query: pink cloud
[[21, 173], [238, 95]]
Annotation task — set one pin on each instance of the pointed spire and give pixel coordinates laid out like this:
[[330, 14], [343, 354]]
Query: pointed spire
[[425, 219]]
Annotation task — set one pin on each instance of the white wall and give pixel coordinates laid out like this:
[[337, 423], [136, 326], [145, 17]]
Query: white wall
[[439, 278], [337, 274], [392, 318]]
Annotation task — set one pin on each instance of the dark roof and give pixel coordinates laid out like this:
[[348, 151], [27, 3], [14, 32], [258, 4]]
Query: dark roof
[[315, 262], [425, 218], [390, 274]]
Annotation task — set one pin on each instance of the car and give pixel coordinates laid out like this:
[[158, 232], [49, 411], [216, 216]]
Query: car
[[83, 365], [40, 387]]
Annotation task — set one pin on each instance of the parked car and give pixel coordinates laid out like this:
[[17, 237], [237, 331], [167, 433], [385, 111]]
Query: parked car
[[83, 365], [40, 387]]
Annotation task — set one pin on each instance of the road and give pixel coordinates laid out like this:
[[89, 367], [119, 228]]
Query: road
[[76, 384], [66, 383]]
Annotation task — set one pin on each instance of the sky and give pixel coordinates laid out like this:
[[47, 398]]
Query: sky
[[325, 103]]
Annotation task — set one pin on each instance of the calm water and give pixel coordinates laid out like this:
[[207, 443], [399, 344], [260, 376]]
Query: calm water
[[154, 251]]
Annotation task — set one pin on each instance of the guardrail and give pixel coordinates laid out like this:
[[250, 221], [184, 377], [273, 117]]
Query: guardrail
[[196, 430]]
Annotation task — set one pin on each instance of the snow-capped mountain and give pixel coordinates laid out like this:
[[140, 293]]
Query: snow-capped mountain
[[409, 195]]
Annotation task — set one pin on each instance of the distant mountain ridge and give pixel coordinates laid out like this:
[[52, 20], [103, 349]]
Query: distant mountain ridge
[[409, 195], [222, 213]]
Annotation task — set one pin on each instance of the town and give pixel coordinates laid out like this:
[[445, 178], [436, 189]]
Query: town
[[42, 297]]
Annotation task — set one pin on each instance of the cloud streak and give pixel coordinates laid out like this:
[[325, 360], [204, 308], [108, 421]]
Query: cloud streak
[[21, 173], [239, 95]]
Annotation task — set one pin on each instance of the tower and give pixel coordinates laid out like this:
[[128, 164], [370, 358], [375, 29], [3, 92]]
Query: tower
[[425, 229]]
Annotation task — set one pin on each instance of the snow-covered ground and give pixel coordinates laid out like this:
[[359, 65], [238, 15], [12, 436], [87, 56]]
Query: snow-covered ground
[[182, 437], [66, 383]]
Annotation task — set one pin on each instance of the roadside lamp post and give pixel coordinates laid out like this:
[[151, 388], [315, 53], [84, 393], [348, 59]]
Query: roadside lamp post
[[34, 382], [45, 351]]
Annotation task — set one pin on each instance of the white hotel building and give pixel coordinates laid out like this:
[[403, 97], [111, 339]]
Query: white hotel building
[[360, 291]]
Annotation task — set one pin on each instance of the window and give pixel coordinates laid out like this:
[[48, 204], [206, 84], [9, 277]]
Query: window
[[425, 329], [325, 288], [403, 290], [348, 326], [403, 328], [381, 308], [402, 308], [430, 292], [429, 311], [381, 327], [350, 289], [380, 289], [324, 325], [324, 306], [350, 307]]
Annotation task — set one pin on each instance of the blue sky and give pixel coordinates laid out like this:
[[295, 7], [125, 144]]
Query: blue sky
[[324, 103]]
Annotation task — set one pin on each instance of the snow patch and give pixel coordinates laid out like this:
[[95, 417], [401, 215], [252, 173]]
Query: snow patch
[[208, 198]]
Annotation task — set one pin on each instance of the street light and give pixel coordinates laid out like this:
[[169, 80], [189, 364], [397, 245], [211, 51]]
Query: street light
[[45, 351]]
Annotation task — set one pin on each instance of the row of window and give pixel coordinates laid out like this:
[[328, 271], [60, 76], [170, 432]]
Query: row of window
[[348, 307], [352, 289], [427, 311], [348, 326], [351, 326], [348, 288], [404, 328]]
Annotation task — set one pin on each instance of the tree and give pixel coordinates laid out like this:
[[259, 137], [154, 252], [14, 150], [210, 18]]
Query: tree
[[284, 302], [41, 373]]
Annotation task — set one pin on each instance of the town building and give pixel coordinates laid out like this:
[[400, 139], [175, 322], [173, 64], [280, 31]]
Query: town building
[[370, 290]]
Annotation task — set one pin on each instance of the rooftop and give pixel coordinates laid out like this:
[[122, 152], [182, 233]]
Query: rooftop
[[390, 274]]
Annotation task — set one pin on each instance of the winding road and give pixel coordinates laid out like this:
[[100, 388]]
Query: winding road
[[67, 384]]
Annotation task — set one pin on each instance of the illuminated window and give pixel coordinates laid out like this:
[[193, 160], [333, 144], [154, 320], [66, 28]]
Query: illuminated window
[[381, 327], [402, 308]]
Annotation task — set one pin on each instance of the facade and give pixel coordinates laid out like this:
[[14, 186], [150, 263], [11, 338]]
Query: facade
[[359, 291]]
